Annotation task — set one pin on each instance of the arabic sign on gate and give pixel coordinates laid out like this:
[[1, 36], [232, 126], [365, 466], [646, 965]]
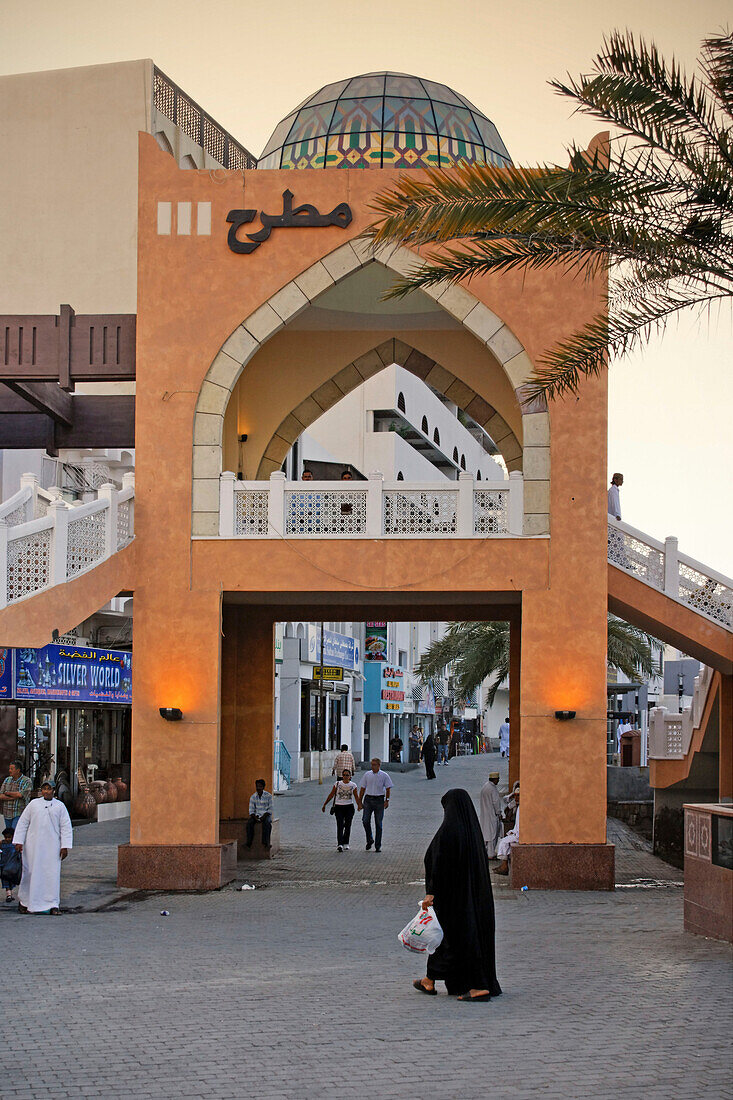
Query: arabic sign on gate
[[6, 674], [302, 217], [78, 673]]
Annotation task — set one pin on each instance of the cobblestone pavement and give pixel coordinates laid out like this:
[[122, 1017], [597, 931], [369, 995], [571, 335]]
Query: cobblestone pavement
[[299, 990]]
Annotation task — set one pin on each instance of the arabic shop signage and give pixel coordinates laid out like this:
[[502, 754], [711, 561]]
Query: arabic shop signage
[[6, 674], [73, 674], [302, 217], [384, 690], [338, 649]]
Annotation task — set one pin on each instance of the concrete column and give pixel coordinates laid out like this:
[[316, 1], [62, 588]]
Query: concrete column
[[515, 710], [174, 811], [247, 706], [725, 752]]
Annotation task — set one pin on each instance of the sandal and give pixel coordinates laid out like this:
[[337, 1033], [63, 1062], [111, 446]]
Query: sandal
[[481, 997], [417, 984]]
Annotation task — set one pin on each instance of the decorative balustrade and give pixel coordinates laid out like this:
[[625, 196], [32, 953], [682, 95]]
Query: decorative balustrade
[[45, 541], [670, 734], [370, 509], [661, 565]]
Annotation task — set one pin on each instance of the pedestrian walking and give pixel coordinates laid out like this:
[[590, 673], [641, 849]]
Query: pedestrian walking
[[490, 813], [15, 794], [260, 809], [504, 737], [11, 864], [614, 497], [414, 746], [44, 836], [344, 759], [344, 794], [458, 886], [374, 797], [443, 739], [428, 755]]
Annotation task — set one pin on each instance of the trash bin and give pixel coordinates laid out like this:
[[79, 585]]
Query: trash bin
[[631, 749]]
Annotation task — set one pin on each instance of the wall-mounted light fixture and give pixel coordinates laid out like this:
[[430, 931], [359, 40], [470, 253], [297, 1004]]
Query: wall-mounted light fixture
[[242, 438], [171, 714], [564, 715]]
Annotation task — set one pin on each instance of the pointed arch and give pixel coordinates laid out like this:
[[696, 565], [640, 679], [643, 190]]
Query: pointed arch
[[293, 299]]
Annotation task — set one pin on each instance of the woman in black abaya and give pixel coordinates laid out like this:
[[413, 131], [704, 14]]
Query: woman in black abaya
[[458, 886], [428, 755]]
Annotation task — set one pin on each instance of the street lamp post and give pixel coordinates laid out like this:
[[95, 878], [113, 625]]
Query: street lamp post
[[322, 715]]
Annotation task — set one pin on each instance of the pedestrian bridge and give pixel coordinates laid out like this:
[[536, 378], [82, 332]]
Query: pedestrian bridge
[[46, 542]]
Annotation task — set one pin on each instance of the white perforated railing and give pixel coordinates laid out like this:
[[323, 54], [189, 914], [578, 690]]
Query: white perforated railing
[[670, 734], [661, 565], [370, 509], [44, 541]]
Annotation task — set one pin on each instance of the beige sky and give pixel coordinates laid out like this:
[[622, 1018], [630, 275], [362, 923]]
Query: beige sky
[[249, 62]]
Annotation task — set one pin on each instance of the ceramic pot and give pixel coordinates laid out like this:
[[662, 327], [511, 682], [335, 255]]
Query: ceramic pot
[[98, 791], [122, 790], [111, 790], [85, 804]]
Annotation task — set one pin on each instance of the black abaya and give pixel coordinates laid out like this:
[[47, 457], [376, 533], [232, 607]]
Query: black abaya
[[428, 755], [457, 875]]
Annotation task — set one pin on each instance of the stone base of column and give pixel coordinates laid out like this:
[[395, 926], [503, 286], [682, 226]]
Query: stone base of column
[[563, 866], [176, 866]]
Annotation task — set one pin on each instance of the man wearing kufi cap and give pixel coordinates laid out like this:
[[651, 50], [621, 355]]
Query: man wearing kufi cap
[[44, 835], [490, 813]]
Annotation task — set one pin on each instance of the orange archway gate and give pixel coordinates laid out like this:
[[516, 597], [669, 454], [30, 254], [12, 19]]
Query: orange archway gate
[[209, 321]]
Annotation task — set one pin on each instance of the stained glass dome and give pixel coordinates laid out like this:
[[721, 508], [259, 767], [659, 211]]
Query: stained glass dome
[[384, 120]]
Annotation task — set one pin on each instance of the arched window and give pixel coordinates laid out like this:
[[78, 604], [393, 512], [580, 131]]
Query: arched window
[[400, 476], [401, 402], [288, 630], [463, 462], [478, 475], [436, 437], [424, 426], [455, 455], [300, 632]]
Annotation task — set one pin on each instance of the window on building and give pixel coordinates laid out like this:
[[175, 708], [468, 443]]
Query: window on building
[[436, 437], [402, 658], [401, 402], [424, 426], [478, 475], [463, 462], [400, 475], [455, 455]]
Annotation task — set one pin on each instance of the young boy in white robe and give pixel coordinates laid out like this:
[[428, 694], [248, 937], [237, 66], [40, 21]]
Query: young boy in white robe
[[44, 836]]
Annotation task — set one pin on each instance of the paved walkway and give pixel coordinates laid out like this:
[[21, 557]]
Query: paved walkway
[[300, 990]]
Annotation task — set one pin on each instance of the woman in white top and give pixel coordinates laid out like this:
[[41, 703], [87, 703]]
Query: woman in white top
[[345, 795]]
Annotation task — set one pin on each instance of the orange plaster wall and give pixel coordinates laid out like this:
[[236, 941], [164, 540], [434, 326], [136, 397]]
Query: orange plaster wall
[[192, 293]]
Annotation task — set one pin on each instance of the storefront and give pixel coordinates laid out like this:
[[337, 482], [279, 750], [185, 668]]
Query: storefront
[[385, 704], [66, 709]]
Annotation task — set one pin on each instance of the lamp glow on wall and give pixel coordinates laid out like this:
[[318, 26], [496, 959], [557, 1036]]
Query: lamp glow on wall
[[171, 714]]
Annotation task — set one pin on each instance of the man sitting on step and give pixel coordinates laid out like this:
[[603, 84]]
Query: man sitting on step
[[260, 809]]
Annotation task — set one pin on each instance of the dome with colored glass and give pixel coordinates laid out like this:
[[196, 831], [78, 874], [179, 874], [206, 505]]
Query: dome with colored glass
[[384, 120]]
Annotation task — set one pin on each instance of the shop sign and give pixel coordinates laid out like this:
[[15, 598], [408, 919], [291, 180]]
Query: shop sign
[[305, 216], [384, 690], [6, 674], [279, 643], [330, 672], [375, 644], [339, 649], [69, 673]]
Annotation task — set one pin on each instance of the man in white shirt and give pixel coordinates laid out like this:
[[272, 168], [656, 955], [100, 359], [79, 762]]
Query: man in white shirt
[[623, 727], [504, 737], [260, 809], [614, 497], [374, 796]]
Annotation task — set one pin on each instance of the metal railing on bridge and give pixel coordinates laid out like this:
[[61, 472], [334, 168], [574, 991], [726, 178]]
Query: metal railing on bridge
[[662, 566]]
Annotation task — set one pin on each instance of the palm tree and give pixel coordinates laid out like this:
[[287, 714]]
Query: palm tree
[[655, 210], [480, 651]]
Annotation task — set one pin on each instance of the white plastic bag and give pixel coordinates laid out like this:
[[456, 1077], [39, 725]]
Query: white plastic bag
[[423, 934]]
